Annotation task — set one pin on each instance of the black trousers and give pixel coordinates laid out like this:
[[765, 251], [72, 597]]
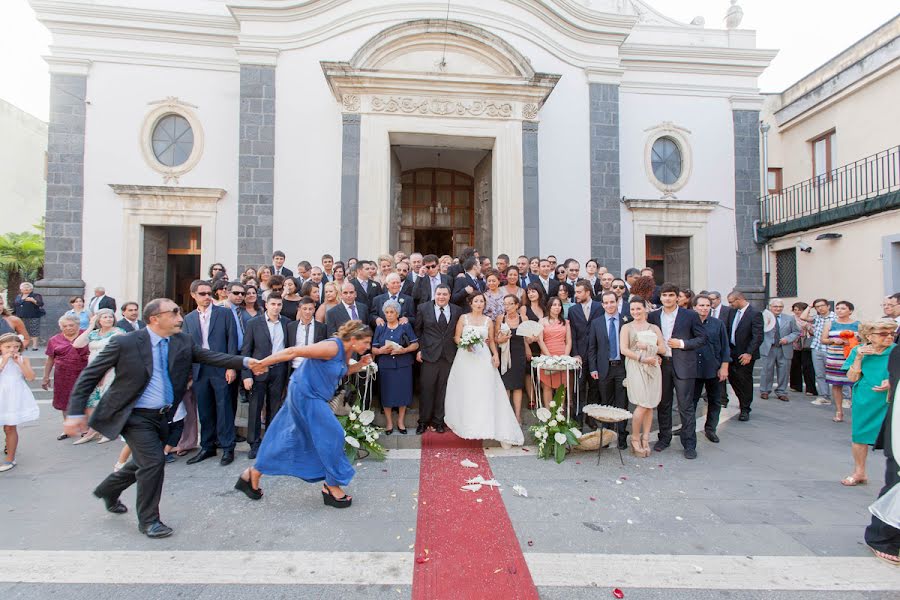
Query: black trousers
[[612, 392], [683, 390], [880, 535], [145, 432], [589, 391], [433, 391], [214, 410], [802, 371], [741, 379], [269, 394], [714, 389]]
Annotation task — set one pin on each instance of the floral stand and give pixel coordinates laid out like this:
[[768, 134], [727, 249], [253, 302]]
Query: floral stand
[[607, 414], [558, 364]]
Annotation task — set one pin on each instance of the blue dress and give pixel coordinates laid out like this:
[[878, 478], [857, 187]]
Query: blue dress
[[305, 439], [395, 373]]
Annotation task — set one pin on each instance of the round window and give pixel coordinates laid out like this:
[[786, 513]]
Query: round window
[[172, 140], [666, 160]]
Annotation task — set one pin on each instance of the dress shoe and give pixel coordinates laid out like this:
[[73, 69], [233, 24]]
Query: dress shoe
[[745, 416], [239, 439], [113, 505], [252, 454], [764, 395], [711, 436], [660, 446], [227, 458], [401, 431], [623, 445], [201, 456], [783, 397], [156, 529], [690, 453], [421, 429], [440, 428], [170, 458]]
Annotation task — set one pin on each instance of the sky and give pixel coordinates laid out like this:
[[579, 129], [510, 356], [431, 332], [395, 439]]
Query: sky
[[806, 32]]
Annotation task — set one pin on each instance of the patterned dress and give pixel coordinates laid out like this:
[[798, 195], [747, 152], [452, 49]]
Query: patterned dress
[[96, 343], [834, 354], [68, 362]]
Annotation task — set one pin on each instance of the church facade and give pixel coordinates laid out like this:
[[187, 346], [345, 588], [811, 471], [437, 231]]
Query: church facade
[[186, 133]]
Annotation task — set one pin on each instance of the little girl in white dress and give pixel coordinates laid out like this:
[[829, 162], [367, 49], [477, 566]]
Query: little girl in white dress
[[17, 404]]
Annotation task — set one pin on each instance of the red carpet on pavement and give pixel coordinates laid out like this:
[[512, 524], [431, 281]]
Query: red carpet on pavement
[[465, 549]]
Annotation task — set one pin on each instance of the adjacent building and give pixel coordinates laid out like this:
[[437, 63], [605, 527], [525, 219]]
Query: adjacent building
[[23, 168], [831, 214]]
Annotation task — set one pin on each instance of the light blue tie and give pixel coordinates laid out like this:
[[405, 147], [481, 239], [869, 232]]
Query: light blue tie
[[168, 392], [613, 339]]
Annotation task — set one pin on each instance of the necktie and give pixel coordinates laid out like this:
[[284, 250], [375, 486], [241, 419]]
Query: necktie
[[394, 298], [168, 393], [587, 311], [353, 314], [613, 339], [734, 325], [443, 320], [777, 329], [306, 342]]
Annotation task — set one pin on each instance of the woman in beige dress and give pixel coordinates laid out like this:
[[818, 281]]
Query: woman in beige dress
[[642, 345]]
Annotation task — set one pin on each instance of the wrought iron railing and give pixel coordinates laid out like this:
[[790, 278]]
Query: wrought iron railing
[[850, 184]]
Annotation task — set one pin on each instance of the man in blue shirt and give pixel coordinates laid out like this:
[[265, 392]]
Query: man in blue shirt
[[712, 365]]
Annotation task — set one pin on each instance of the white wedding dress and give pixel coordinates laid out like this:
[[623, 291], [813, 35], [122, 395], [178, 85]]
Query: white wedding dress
[[477, 406]]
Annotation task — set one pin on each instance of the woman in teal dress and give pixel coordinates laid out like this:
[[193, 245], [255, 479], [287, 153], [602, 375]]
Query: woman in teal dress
[[867, 367], [305, 439]]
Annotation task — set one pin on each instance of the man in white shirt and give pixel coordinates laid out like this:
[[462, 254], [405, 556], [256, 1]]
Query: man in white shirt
[[305, 331], [546, 278]]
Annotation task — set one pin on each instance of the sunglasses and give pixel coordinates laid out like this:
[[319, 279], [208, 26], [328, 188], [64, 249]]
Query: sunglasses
[[431, 266], [203, 294], [618, 287], [174, 311], [237, 293]]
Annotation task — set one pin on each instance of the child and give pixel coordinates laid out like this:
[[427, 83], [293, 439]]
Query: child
[[17, 403]]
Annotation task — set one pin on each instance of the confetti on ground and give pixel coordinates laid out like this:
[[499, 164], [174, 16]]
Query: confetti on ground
[[593, 499], [698, 568], [638, 498], [629, 521], [472, 487], [520, 491], [618, 482], [618, 593], [530, 543], [468, 464], [478, 500], [679, 519]]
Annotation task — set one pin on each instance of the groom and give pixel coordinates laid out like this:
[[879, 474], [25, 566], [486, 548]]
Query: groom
[[435, 327]]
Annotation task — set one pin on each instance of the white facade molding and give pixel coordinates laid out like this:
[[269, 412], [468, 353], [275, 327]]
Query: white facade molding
[[698, 60], [747, 102], [260, 56], [162, 108], [679, 135], [65, 65]]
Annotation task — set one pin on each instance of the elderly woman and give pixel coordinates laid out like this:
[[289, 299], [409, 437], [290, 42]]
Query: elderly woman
[[29, 307], [836, 334], [332, 297], [101, 329], [494, 295], [867, 368], [68, 361], [79, 311], [394, 346]]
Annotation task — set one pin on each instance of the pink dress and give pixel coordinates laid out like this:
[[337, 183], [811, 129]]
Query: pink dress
[[555, 340], [68, 362]]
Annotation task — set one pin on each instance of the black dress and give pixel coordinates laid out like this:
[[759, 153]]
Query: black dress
[[535, 347], [289, 308], [514, 378]]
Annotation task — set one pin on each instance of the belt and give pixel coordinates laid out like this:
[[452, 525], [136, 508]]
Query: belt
[[667, 359], [154, 411], [615, 363]]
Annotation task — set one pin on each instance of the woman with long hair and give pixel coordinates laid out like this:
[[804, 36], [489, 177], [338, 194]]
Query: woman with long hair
[[263, 275], [332, 298], [290, 298], [533, 308], [555, 340], [514, 354]]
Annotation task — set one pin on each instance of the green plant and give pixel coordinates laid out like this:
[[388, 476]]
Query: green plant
[[555, 433], [360, 433], [21, 259]]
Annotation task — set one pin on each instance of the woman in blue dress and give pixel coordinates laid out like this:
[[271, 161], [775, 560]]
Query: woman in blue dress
[[395, 364], [305, 439]]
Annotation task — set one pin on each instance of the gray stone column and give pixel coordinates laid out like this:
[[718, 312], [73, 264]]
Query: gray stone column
[[746, 204], [606, 228], [65, 198], [350, 185], [256, 179], [530, 190]]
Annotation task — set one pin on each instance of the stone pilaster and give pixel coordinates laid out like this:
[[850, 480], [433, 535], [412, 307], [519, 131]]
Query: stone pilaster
[[65, 197], [350, 185], [606, 228], [531, 191], [746, 204], [256, 179]]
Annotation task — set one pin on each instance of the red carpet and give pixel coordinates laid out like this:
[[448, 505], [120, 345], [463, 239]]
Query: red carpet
[[464, 548]]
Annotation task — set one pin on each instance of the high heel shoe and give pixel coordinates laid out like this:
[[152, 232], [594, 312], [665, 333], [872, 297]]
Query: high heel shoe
[[645, 444], [88, 437], [636, 448], [245, 486], [330, 500]]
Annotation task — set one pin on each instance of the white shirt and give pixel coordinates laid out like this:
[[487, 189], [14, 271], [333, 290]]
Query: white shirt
[[435, 281], [204, 325], [668, 324], [276, 334], [134, 324], [437, 313], [349, 308], [95, 301], [734, 325], [545, 283], [306, 336]]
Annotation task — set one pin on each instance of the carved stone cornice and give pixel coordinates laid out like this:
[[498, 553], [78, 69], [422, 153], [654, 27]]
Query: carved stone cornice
[[442, 107]]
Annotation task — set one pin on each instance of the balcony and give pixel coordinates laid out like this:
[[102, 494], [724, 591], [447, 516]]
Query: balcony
[[865, 187]]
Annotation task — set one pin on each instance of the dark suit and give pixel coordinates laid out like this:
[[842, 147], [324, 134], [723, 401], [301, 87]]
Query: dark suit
[[268, 388], [318, 332], [210, 388], [408, 286], [438, 349], [581, 331], [709, 360], [880, 535], [285, 272], [407, 308], [338, 315], [678, 374], [747, 339], [553, 285], [366, 291], [422, 289], [610, 372], [145, 430], [460, 296], [105, 302], [126, 325]]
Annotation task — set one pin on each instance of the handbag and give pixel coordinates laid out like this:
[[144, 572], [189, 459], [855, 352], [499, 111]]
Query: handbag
[[342, 401], [404, 340]]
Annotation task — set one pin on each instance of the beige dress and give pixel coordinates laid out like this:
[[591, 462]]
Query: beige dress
[[643, 382]]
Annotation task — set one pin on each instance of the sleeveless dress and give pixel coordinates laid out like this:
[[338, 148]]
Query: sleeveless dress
[[305, 439], [96, 343], [643, 382], [555, 340], [476, 406], [17, 404], [834, 354], [514, 378]]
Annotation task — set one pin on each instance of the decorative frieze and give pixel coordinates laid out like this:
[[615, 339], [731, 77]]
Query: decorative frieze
[[442, 107]]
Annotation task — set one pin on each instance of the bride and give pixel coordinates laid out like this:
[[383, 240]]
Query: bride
[[477, 405]]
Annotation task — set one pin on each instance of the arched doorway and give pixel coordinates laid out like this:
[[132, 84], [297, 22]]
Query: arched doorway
[[437, 213]]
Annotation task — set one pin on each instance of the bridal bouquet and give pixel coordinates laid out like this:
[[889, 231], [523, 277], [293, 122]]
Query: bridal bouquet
[[555, 433], [360, 434], [470, 339]]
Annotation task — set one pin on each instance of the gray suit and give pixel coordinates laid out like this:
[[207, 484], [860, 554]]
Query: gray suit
[[777, 358]]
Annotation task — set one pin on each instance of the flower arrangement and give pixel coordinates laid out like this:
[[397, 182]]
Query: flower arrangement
[[471, 338], [370, 369], [555, 433], [360, 434], [555, 363]]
